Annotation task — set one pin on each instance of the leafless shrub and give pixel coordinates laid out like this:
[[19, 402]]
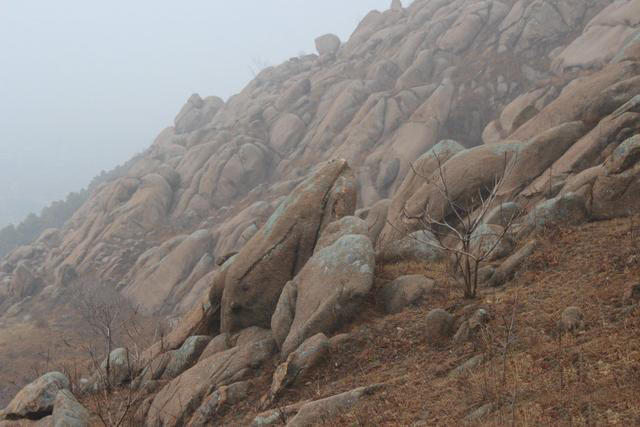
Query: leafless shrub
[[457, 233]]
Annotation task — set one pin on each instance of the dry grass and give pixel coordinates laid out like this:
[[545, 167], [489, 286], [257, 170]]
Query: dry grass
[[588, 379]]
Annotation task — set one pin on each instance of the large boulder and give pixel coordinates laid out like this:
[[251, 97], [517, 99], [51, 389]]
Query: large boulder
[[274, 255], [36, 400], [327, 292], [327, 44], [177, 401]]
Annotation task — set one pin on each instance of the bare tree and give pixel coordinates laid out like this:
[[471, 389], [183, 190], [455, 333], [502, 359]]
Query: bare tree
[[458, 229]]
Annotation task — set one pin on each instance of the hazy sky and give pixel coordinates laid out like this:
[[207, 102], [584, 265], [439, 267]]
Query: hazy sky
[[84, 84]]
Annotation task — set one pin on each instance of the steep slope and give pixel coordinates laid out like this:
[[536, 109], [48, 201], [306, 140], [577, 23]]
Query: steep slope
[[452, 90]]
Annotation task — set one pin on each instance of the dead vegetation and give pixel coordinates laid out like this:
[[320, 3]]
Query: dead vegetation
[[531, 374]]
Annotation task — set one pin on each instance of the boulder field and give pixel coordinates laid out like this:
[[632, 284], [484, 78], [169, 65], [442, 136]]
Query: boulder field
[[257, 226]]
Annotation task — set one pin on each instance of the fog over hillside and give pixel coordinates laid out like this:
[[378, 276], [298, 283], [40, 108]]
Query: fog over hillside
[[86, 85]]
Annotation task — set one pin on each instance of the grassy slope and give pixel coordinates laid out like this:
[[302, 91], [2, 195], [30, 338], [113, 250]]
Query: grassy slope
[[588, 379]]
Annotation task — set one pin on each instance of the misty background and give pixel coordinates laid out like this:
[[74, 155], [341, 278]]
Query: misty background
[[84, 84]]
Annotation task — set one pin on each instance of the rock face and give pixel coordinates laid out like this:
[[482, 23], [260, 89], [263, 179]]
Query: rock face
[[542, 96], [177, 401], [327, 292], [36, 400], [280, 249]]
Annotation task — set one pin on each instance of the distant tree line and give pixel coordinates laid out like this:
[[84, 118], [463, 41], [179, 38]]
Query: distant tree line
[[57, 213]]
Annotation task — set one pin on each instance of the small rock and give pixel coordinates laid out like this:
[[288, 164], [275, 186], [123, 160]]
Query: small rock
[[479, 413], [571, 320], [439, 327]]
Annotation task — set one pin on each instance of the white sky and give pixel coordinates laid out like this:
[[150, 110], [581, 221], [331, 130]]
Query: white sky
[[85, 84]]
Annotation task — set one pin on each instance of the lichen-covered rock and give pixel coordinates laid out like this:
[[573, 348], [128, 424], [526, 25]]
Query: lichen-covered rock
[[394, 296], [177, 401], [420, 246], [337, 229], [567, 208], [327, 292], [68, 412], [186, 356], [36, 400], [254, 281]]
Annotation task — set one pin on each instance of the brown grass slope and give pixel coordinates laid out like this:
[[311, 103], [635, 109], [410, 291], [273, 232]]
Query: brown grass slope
[[538, 378]]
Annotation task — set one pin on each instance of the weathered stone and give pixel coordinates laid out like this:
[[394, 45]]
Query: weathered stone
[[308, 306], [403, 291], [177, 401], [439, 326], [214, 404], [325, 409], [571, 320], [420, 246], [186, 356], [302, 359], [327, 44], [36, 400], [254, 281], [68, 412]]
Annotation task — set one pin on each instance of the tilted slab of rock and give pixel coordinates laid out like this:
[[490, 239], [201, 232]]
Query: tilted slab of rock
[[36, 399], [326, 292], [322, 410], [416, 182], [253, 282], [155, 282], [178, 400]]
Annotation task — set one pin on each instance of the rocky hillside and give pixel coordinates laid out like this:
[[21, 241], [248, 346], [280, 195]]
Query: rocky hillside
[[259, 227]]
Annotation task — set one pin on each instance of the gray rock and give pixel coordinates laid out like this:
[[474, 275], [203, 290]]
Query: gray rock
[[393, 297], [327, 292], [568, 208], [214, 404], [327, 44], [37, 398], [503, 214], [68, 412], [571, 320], [439, 326], [219, 344], [186, 356], [305, 357], [320, 411], [419, 246], [250, 335]]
